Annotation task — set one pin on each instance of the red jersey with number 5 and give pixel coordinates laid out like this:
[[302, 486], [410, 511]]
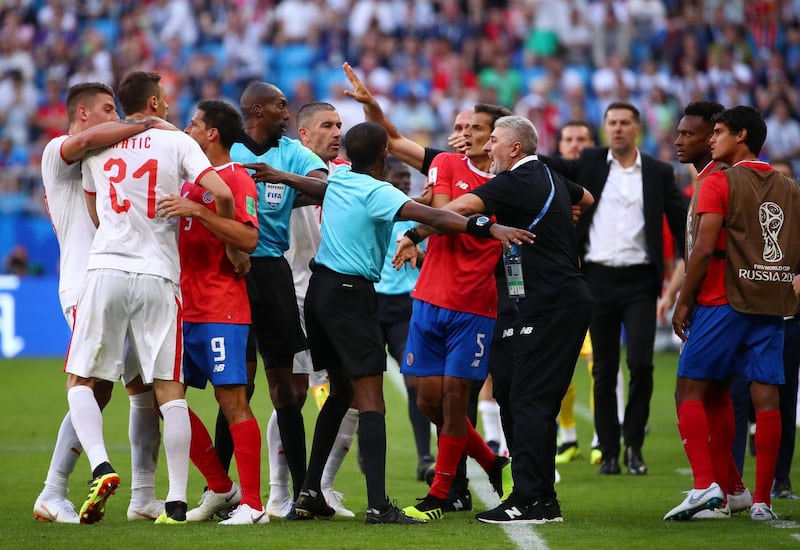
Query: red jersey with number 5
[[458, 271], [127, 179], [212, 292]]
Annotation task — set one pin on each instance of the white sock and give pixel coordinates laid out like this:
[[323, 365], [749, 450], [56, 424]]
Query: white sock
[[87, 420], [344, 439], [177, 438], [278, 467], [145, 438], [569, 435], [62, 464], [620, 397], [490, 420]]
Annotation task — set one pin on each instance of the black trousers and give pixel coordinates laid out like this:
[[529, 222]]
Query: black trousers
[[624, 297], [501, 359], [546, 348]]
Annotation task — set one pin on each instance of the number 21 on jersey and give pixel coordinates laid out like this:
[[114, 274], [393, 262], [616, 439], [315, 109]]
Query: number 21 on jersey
[[118, 174]]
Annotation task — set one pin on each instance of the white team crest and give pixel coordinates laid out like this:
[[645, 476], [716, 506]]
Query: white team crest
[[273, 194], [462, 185], [770, 216]]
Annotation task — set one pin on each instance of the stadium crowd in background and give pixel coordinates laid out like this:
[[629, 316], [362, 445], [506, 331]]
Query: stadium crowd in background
[[426, 60]]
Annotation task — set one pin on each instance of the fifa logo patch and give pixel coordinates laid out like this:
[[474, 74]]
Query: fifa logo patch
[[770, 216], [410, 359]]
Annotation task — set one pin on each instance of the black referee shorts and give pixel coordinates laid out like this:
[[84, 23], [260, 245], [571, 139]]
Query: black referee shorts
[[276, 318], [342, 323]]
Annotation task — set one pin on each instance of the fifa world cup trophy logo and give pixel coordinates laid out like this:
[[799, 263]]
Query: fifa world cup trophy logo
[[770, 216]]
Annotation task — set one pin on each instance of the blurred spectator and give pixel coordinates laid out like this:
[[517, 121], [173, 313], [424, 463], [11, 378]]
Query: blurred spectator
[[174, 19], [505, 80], [16, 263], [783, 132], [555, 60], [18, 105], [51, 116]]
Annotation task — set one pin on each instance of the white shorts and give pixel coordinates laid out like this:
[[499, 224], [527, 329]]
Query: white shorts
[[69, 316], [131, 366], [116, 304]]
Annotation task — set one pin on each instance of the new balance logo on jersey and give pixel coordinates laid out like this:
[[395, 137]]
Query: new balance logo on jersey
[[219, 368], [526, 330], [508, 333], [513, 512], [462, 185]]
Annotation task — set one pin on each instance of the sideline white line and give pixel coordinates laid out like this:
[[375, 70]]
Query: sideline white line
[[522, 536]]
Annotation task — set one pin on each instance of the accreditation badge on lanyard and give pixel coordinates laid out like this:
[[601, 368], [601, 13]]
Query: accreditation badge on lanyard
[[273, 194], [512, 258]]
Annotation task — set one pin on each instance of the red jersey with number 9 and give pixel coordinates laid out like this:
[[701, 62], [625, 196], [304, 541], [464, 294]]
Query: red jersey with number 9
[[212, 292]]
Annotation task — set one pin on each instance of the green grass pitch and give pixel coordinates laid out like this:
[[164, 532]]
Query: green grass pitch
[[599, 512]]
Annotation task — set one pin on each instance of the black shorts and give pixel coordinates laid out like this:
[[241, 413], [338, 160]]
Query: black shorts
[[342, 323], [276, 318]]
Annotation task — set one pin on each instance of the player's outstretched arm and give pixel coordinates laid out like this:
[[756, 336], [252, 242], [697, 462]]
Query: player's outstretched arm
[[446, 220], [400, 146], [313, 185], [107, 133]]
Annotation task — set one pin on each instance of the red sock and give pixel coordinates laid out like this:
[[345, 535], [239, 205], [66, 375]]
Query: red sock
[[450, 450], [722, 426], [247, 450], [693, 427], [768, 441], [478, 449], [205, 458]]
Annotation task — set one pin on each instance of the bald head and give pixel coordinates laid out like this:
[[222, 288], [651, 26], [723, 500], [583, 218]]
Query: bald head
[[258, 92]]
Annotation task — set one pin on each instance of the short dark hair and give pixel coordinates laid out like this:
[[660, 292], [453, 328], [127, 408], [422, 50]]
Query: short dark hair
[[494, 111], [704, 109], [307, 112], [577, 124], [136, 89], [84, 93], [224, 117], [744, 117], [365, 142], [624, 105]]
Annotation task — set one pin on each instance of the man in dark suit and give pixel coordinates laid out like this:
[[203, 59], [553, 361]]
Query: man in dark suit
[[621, 243]]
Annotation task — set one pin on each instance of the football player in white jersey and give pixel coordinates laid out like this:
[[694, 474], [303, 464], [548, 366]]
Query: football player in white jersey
[[93, 123], [132, 286]]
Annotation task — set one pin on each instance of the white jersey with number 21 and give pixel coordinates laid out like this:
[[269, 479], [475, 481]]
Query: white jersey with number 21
[[128, 179]]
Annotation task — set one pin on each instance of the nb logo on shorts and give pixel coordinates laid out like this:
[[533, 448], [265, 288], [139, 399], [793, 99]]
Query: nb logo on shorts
[[410, 359], [219, 368], [526, 330], [476, 363]]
